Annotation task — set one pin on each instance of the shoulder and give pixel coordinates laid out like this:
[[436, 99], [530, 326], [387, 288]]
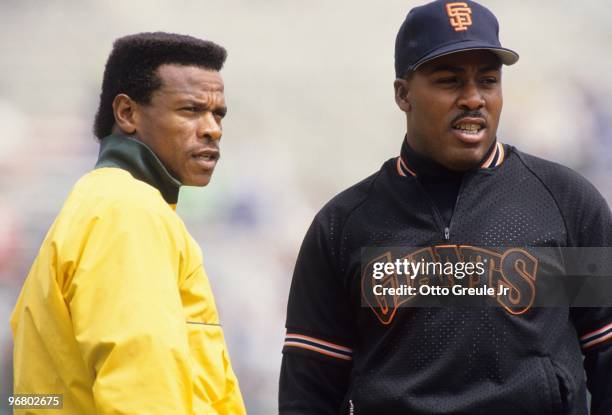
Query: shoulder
[[112, 193], [562, 181], [347, 202], [110, 186], [329, 226], [550, 171], [586, 213]]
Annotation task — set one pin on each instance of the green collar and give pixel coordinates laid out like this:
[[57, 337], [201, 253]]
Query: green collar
[[130, 154]]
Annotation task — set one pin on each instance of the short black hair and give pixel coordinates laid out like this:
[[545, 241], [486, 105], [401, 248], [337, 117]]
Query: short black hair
[[131, 65]]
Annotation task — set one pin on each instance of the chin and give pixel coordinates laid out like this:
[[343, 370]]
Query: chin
[[197, 181]]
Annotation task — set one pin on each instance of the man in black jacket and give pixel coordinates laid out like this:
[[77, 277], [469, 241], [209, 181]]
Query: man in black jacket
[[454, 190]]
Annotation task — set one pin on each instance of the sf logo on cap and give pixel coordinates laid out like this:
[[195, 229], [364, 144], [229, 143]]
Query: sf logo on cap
[[460, 15]]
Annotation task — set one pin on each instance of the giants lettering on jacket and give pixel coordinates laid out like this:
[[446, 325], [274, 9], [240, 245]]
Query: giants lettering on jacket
[[513, 268]]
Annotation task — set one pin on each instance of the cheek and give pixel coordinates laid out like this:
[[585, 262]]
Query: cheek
[[173, 123], [176, 158], [165, 121], [434, 113], [495, 102], [171, 135], [156, 126]]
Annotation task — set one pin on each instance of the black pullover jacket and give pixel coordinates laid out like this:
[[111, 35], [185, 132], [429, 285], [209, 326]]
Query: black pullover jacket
[[341, 357]]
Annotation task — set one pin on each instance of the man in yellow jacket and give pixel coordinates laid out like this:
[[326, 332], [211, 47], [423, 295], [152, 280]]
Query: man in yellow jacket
[[116, 314]]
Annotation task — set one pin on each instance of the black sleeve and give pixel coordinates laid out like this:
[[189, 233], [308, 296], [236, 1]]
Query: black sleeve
[[594, 326], [318, 346], [308, 386], [589, 223]]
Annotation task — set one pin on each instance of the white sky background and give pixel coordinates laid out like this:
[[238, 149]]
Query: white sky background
[[311, 111]]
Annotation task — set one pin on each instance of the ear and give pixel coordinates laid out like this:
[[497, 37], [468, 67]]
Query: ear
[[402, 94], [125, 110]]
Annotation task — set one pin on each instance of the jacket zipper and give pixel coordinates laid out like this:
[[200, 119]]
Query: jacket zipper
[[434, 208], [450, 222], [445, 227]]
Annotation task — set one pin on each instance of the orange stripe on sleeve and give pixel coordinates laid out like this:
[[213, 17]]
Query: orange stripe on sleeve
[[318, 350], [323, 342]]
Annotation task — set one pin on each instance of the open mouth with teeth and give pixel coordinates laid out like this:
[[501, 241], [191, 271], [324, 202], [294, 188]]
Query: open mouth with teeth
[[206, 157], [468, 128]]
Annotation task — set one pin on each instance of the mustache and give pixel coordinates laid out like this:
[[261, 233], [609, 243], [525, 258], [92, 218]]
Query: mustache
[[469, 114], [208, 145]]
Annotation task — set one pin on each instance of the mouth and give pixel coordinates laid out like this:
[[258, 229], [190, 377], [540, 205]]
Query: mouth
[[207, 158], [469, 130]]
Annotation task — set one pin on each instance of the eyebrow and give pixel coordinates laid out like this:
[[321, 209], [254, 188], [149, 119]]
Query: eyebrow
[[459, 69], [222, 111]]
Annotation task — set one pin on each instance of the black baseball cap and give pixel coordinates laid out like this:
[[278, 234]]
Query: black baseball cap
[[443, 27]]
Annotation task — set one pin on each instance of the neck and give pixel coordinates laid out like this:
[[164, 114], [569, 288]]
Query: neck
[[128, 153], [423, 165]]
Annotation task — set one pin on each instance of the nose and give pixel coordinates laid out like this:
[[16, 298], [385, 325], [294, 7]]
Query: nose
[[209, 126], [471, 97]]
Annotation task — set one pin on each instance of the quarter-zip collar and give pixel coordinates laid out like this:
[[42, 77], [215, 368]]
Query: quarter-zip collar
[[442, 187], [411, 163], [424, 166], [128, 153]]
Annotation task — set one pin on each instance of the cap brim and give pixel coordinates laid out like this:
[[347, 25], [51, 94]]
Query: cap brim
[[507, 56]]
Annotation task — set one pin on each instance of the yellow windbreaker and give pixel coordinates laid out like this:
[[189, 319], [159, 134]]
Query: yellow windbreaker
[[117, 313]]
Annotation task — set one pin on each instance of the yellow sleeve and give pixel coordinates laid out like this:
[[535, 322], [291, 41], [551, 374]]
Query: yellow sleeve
[[127, 315]]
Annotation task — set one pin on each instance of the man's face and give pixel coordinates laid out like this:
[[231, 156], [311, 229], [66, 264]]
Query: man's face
[[453, 104], [182, 122]]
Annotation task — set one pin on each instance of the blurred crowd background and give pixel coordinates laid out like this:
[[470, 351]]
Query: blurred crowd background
[[311, 111]]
